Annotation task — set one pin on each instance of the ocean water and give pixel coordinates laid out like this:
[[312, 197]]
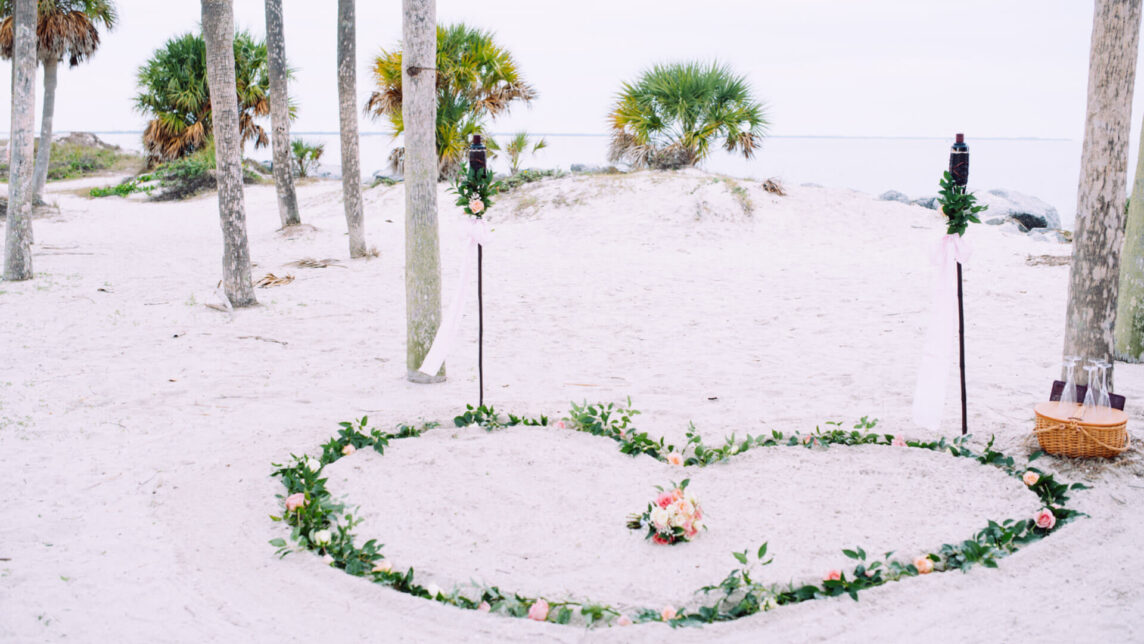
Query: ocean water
[[1044, 168]]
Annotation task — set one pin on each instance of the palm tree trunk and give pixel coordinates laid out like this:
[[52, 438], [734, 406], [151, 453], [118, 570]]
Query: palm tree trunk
[[218, 32], [44, 153], [1094, 277], [17, 242], [1130, 298], [280, 115], [422, 250], [347, 114]]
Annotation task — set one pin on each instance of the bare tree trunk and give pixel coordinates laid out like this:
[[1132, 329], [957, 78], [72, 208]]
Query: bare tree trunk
[[44, 153], [17, 243], [347, 113], [1094, 277], [1130, 299], [280, 115], [218, 31], [422, 250]]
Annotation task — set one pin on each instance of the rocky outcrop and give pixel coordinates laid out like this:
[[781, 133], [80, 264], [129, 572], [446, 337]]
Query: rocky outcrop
[[1010, 210]]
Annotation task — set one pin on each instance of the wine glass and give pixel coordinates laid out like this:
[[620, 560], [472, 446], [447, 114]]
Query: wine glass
[[1103, 397], [1089, 394], [1068, 393]]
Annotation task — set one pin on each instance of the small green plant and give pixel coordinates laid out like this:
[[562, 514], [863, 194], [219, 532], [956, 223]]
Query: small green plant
[[305, 157], [516, 148], [959, 207], [475, 189], [529, 176], [126, 187]]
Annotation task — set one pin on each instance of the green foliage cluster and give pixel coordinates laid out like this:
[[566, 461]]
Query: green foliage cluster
[[475, 184], [529, 176], [959, 207], [324, 526], [71, 161], [305, 156], [181, 178]]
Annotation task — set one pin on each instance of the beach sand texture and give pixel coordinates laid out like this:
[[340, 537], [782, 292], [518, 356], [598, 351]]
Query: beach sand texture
[[138, 426]]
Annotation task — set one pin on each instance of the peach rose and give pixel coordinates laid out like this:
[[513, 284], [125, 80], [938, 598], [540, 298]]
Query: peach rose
[[561, 425], [1030, 478], [668, 613], [624, 620], [348, 449], [1045, 519], [899, 442], [538, 611], [924, 565], [833, 575], [382, 566], [675, 458], [476, 205], [295, 501], [806, 440], [484, 607]]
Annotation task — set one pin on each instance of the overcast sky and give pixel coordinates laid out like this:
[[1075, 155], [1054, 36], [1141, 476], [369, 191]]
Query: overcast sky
[[1012, 68]]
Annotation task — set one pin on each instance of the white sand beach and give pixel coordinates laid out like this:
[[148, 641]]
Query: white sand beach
[[138, 425]]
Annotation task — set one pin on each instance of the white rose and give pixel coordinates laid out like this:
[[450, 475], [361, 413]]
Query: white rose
[[311, 464], [687, 508], [320, 537], [659, 517], [433, 590]]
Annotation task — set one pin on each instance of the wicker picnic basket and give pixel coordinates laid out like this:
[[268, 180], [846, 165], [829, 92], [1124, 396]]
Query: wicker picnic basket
[[1071, 429]]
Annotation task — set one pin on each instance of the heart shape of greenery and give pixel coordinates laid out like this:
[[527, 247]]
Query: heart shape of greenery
[[323, 525]]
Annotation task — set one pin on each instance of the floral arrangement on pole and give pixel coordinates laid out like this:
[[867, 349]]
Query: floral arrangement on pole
[[673, 516], [475, 188], [959, 207]]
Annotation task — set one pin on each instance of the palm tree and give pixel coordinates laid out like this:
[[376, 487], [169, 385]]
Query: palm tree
[[422, 249], [670, 116], [18, 237], [218, 32], [64, 29], [1093, 278], [280, 115], [175, 94], [347, 118], [477, 80], [516, 147]]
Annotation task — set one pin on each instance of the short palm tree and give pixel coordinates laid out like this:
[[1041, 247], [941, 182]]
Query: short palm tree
[[672, 115], [516, 147], [174, 93], [65, 29], [476, 80]]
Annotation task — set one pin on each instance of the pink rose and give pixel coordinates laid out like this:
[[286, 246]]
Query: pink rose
[[806, 440], [624, 620], [560, 425], [476, 205], [899, 442], [675, 458], [348, 449], [924, 565], [668, 613], [484, 607], [661, 540], [295, 501], [833, 575], [538, 611], [664, 499], [1030, 478], [382, 566], [1045, 519]]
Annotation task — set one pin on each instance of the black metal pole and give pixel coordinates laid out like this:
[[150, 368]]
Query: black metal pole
[[961, 343], [481, 327]]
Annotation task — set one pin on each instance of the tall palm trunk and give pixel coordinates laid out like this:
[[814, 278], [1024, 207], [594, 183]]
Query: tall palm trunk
[[1094, 277], [280, 115], [218, 32], [44, 153], [1130, 298], [17, 242], [347, 114], [422, 251]]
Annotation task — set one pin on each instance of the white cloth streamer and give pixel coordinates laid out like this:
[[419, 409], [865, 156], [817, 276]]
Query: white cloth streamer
[[937, 352], [476, 232]]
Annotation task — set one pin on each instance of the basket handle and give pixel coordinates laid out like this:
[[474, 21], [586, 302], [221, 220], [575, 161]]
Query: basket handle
[[1078, 427]]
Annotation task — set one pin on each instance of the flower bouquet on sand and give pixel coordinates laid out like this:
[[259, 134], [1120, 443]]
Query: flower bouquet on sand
[[673, 516]]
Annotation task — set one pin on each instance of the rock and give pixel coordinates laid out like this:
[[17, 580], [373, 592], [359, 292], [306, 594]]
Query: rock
[[581, 167], [926, 202], [83, 139], [1030, 211], [894, 195], [1011, 226]]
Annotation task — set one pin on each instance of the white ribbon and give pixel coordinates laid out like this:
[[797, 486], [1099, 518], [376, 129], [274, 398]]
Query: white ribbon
[[937, 352], [476, 232]]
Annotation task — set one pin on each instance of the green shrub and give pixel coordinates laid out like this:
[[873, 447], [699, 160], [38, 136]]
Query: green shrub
[[125, 187], [305, 156], [529, 176]]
